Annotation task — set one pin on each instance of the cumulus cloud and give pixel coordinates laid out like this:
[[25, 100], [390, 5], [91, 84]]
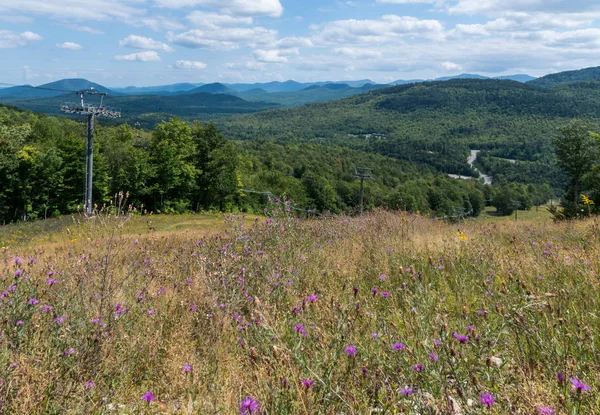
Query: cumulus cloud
[[147, 56], [229, 39], [451, 66], [252, 66], [274, 55], [271, 8], [190, 65], [69, 45], [358, 53], [388, 28], [73, 9], [10, 39], [216, 20], [146, 43]]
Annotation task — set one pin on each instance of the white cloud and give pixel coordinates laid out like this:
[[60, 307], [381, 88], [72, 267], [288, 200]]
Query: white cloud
[[271, 8], [147, 56], [69, 45], [159, 23], [407, 1], [145, 43], [389, 28], [291, 43], [252, 66], [216, 20], [536, 6], [358, 53], [451, 66], [270, 56], [190, 65], [229, 39], [10, 39], [73, 9], [28, 73], [86, 29]]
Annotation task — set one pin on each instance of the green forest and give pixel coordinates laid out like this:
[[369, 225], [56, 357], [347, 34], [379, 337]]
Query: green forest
[[181, 166]]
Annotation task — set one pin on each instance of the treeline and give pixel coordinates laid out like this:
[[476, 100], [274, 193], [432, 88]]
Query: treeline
[[181, 167]]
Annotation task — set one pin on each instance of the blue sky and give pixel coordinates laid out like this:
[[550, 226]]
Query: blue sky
[[153, 42]]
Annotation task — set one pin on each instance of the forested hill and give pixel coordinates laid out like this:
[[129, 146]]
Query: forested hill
[[587, 74], [438, 122]]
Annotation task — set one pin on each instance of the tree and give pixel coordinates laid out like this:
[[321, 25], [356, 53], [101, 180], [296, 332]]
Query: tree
[[577, 150]]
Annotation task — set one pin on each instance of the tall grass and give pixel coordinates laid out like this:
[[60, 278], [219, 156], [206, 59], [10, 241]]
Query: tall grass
[[496, 319]]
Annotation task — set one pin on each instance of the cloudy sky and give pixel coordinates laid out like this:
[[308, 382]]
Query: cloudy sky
[[152, 42]]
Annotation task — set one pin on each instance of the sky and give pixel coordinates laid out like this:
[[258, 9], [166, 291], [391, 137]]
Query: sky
[[155, 42]]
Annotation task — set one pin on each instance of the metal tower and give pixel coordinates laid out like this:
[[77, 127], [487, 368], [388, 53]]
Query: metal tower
[[363, 174], [92, 111]]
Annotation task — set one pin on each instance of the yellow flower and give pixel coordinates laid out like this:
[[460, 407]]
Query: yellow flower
[[586, 200], [462, 236]]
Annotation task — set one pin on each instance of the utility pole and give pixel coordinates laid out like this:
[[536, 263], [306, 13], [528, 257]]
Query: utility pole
[[91, 111], [363, 174]]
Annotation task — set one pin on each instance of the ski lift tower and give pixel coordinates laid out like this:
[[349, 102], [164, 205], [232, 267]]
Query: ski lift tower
[[363, 174], [91, 111]]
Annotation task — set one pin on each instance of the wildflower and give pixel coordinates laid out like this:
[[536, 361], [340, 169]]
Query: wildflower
[[418, 368], [51, 281], [546, 410], [561, 378], [350, 350], [46, 308], [437, 342], [375, 335], [487, 399], [193, 307], [434, 357], [18, 261], [374, 290], [385, 294], [398, 346], [33, 301], [18, 272], [300, 329], [312, 298], [59, 320], [151, 312], [249, 406], [462, 236], [187, 368], [68, 352], [586, 200], [382, 277], [89, 384], [307, 382], [148, 397], [460, 338], [406, 391], [579, 385], [20, 323]]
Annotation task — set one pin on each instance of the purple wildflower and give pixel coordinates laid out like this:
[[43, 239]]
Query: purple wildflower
[[561, 378], [46, 308], [151, 312], [300, 329], [20, 323], [18, 260], [187, 368], [249, 406], [375, 335], [307, 382], [312, 298], [89, 384], [418, 368], [579, 385], [374, 290], [406, 391], [546, 410], [382, 277], [193, 307], [434, 357], [59, 320], [398, 346], [33, 301], [18, 272], [51, 281], [487, 399], [385, 294], [148, 397], [350, 350], [460, 338]]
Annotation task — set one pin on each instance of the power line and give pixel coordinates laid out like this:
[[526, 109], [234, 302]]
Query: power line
[[362, 173]]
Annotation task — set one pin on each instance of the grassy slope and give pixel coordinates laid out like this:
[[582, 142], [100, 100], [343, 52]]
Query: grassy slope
[[225, 307]]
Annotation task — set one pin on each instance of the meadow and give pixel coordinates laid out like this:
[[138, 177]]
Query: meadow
[[388, 313]]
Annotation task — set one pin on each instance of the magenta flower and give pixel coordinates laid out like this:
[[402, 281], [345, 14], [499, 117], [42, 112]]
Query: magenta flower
[[561, 378], [374, 290], [487, 399], [51, 281], [434, 357], [382, 277], [46, 308], [579, 385], [398, 346], [20, 323], [312, 298], [148, 397], [385, 294], [300, 329], [418, 368], [18, 272], [33, 301], [546, 410], [193, 307], [59, 320], [151, 312], [350, 350], [89, 384], [406, 391], [187, 368], [249, 406], [460, 337], [307, 382]]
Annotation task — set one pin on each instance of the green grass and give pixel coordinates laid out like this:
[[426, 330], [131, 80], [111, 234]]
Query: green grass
[[130, 313]]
